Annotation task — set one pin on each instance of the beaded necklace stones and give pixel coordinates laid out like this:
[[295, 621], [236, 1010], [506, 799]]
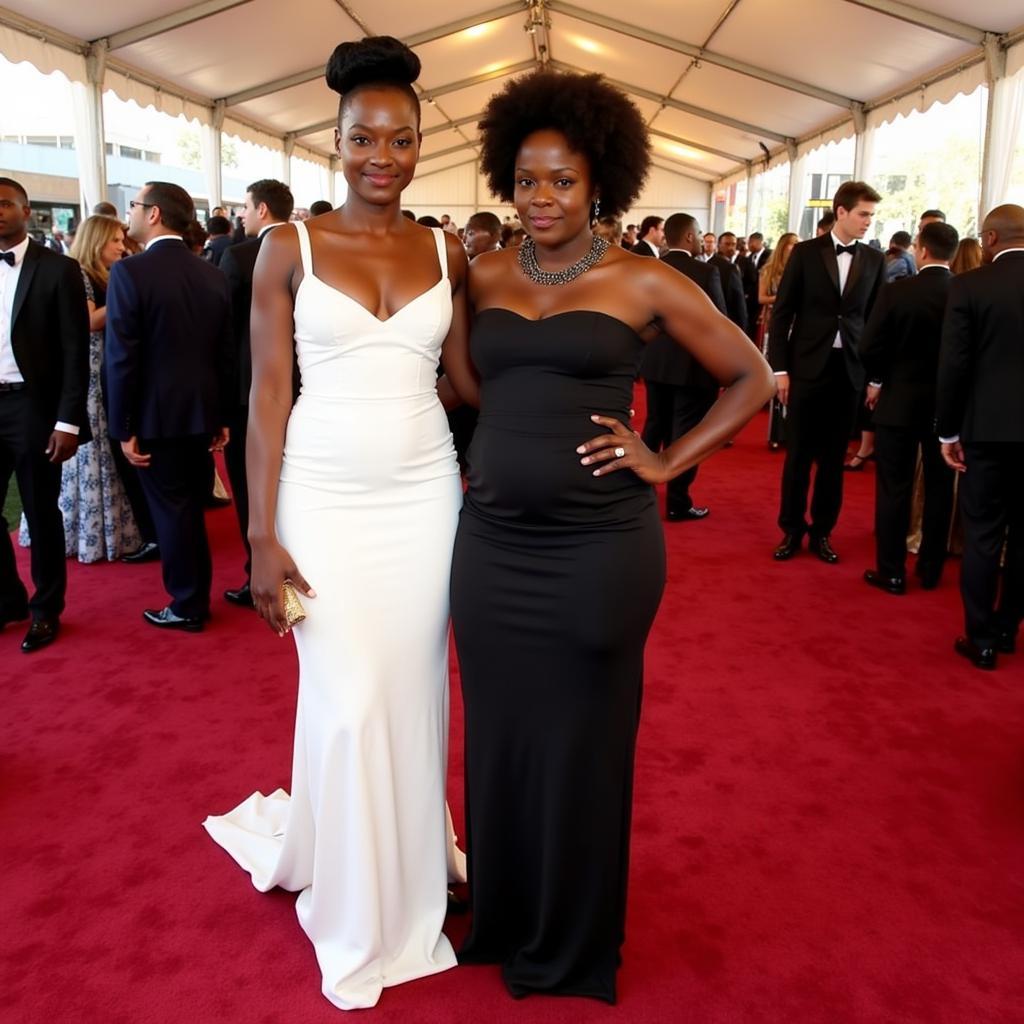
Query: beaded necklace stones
[[531, 268]]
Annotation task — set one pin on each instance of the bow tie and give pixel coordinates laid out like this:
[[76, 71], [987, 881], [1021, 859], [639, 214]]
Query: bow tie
[[7, 257], [840, 249]]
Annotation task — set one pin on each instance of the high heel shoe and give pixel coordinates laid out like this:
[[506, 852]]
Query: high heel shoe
[[856, 464]]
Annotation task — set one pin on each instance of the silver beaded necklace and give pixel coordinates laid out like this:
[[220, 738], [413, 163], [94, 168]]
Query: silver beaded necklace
[[531, 268]]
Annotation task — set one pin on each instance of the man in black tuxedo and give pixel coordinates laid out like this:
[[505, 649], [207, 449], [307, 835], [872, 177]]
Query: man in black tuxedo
[[168, 366], [980, 422], [757, 257], [709, 246], [757, 251], [44, 378], [825, 296], [679, 390], [731, 276], [900, 353], [652, 237], [268, 203]]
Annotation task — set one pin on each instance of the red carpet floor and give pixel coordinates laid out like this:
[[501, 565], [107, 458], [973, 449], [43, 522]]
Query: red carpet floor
[[829, 821]]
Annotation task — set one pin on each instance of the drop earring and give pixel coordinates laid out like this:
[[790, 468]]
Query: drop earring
[[597, 208]]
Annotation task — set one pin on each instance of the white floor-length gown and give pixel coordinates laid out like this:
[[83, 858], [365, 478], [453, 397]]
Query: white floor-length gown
[[367, 506]]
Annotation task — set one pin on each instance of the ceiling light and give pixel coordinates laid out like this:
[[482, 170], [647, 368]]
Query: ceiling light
[[590, 45], [476, 31]]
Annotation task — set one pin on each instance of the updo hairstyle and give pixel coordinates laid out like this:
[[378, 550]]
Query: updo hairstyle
[[596, 118], [373, 61]]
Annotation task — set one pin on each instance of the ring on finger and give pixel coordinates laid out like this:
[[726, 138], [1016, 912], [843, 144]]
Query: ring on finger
[[620, 452]]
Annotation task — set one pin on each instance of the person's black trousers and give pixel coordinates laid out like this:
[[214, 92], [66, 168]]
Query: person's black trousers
[[23, 438], [234, 459], [992, 507], [819, 419], [177, 485], [673, 410], [896, 461]]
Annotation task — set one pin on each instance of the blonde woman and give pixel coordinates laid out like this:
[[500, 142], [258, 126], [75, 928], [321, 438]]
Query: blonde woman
[[767, 288], [968, 256], [98, 520]]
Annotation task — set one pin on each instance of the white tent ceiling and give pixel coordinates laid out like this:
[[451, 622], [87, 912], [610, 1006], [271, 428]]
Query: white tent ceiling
[[717, 80]]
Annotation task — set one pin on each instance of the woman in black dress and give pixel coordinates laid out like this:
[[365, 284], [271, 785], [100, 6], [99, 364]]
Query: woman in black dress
[[559, 558]]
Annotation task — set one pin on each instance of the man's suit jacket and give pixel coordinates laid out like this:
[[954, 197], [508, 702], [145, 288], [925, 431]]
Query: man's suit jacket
[[981, 363], [665, 361], [218, 246], [732, 286], [643, 248], [168, 358], [237, 264], [50, 336], [900, 348], [809, 309], [759, 259]]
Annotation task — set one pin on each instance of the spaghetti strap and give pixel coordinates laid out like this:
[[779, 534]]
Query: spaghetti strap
[[442, 251], [305, 250]]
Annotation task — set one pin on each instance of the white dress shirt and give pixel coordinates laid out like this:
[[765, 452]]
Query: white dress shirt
[[844, 260], [10, 372], [164, 238]]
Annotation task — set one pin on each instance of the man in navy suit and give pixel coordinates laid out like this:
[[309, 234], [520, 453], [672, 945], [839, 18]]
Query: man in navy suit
[[168, 363], [980, 423], [44, 377], [268, 203], [827, 292]]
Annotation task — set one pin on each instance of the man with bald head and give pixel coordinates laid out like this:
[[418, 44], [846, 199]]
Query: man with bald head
[[980, 422]]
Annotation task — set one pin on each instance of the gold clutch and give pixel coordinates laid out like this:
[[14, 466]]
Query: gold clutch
[[293, 610]]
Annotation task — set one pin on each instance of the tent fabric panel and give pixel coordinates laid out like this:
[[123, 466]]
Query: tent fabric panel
[[20, 48], [691, 22], [454, 58], [780, 110], [237, 48], [609, 53], [861, 52]]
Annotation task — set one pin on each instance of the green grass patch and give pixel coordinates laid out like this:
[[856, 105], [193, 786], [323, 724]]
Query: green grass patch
[[12, 505]]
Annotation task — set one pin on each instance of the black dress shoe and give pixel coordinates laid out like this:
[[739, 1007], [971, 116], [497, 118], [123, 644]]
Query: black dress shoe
[[981, 657], [788, 547], [242, 596], [823, 549], [40, 633], [693, 512], [892, 584], [148, 552], [166, 619]]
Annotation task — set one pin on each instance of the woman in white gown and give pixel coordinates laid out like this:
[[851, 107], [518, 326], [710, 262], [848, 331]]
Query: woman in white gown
[[365, 493]]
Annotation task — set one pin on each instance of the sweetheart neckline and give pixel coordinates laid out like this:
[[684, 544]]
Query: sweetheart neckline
[[358, 304], [553, 316]]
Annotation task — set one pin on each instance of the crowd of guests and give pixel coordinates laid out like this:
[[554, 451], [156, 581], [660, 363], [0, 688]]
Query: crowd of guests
[[874, 383], [854, 334]]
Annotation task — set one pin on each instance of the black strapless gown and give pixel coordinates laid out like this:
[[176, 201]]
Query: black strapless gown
[[556, 579]]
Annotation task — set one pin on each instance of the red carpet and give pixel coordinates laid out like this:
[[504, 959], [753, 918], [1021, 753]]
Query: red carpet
[[829, 821]]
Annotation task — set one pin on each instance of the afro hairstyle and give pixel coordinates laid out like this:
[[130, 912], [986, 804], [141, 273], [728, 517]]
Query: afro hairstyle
[[596, 119]]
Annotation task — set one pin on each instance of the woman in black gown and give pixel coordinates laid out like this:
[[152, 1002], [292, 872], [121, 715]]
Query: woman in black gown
[[559, 557]]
